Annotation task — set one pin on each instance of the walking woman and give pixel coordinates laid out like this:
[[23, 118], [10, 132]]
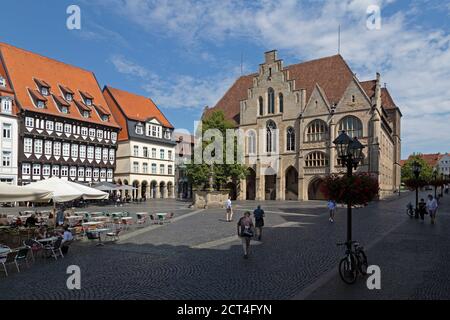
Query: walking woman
[[432, 206], [229, 210], [245, 232], [332, 208]]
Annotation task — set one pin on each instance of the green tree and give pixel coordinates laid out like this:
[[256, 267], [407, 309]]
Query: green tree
[[199, 174], [426, 172]]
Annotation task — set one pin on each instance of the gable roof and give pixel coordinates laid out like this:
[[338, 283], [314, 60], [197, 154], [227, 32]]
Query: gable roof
[[332, 74], [136, 107], [431, 159], [26, 69]]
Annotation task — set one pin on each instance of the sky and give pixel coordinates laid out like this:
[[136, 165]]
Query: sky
[[185, 54]]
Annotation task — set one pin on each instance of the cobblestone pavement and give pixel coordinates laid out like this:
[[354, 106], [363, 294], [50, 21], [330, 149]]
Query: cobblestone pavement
[[198, 256]]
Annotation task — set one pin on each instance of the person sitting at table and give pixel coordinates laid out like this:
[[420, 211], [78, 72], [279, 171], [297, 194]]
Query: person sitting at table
[[4, 220], [67, 240], [18, 222], [31, 221], [41, 233], [51, 220]]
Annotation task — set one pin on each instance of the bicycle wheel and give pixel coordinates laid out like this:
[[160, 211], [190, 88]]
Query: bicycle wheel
[[362, 262], [410, 213], [347, 269]]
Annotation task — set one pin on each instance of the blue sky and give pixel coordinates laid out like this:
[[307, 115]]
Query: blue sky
[[184, 54]]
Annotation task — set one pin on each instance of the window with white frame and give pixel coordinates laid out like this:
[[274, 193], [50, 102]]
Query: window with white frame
[[2, 82], [110, 174], [46, 170], [145, 167], [74, 151], [49, 125], [27, 145], [103, 174], [114, 136], [29, 122], [316, 159], [40, 104], [153, 168], [67, 128], [37, 124], [38, 146], [64, 171], [6, 158], [64, 109], [251, 142], [90, 152], [81, 172], [57, 148], [167, 134], [98, 153], [96, 173], [316, 131], [161, 154], [105, 117], [6, 131], [66, 150], [88, 102], [136, 167], [73, 172], [26, 169], [88, 173], [100, 134], [85, 114], [92, 133], [44, 91], [55, 171], [169, 169], [84, 131], [69, 97], [111, 154], [36, 169], [139, 129], [161, 169], [290, 139], [48, 148], [169, 154], [105, 155], [136, 151], [82, 151], [6, 105], [153, 153], [59, 127], [145, 152]]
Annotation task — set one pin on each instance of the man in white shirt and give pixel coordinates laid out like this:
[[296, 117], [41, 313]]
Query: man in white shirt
[[432, 206], [229, 210]]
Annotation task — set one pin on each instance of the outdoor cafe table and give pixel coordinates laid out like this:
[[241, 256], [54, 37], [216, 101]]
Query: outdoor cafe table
[[100, 219], [91, 223], [4, 250], [47, 240], [100, 231], [96, 214]]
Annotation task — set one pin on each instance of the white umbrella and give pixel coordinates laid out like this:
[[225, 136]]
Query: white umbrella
[[64, 190], [10, 193]]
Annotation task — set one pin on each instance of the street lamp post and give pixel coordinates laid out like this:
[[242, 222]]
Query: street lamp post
[[350, 152], [417, 167], [435, 182]]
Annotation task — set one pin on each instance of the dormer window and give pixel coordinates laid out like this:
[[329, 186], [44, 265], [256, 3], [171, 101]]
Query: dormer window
[[2, 82], [6, 104], [69, 97], [44, 91], [64, 109], [167, 134], [139, 129], [40, 104], [88, 102], [105, 117], [85, 114]]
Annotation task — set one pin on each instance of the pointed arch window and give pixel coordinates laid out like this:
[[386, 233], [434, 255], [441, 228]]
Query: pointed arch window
[[271, 98], [261, 106], [352, 126], [281, 102], [271, 130], [317, 130], [290, 139], [251, 142]]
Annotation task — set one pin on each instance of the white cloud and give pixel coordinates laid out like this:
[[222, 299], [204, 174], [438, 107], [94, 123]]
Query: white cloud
[[413, 60]]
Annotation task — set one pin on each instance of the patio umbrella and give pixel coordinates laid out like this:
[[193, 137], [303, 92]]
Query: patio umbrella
[[125, 187], [64, 190], [105, 186], [10, 193]]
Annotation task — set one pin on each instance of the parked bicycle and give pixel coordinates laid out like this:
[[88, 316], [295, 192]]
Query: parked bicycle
[[410, 210], [354, 262]]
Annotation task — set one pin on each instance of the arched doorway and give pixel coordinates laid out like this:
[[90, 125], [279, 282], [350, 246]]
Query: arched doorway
[[144, 185], [231, 186], [251, 185], [314, 189], [162, 186], [136, 191], [169, 189], [291, 187], [270, 186], [125, 182], [153, 189]]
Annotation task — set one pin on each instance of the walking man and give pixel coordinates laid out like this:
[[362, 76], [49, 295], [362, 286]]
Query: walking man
[[229, 210], [259, 221], [432, 206], [332, 208]]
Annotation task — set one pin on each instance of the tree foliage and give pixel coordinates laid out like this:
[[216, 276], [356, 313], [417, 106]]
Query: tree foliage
[[426, 172], [199, 174]]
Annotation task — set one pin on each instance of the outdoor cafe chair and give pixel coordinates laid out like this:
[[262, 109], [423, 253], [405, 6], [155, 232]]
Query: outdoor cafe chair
[[55, 249], [92, 235], [153, 219], [35, 247], [115, 234], [7, 259], [141, 219], [22, 255]]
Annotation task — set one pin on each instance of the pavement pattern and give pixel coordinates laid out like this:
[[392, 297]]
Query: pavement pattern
[[198, 256]]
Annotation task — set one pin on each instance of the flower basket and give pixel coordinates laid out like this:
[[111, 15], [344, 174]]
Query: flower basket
[[357, 190]]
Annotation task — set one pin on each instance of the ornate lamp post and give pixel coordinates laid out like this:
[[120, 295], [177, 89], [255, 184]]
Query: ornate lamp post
[[350, 152], [417, 167]]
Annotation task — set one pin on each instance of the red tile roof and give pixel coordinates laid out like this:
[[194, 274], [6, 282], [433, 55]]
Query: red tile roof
[[136, 107], [42, 83], [82, 106], [37, 95], [66, 89], [24, 66], [386, 100], [60, 100], [430, 158], [332, 74]]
